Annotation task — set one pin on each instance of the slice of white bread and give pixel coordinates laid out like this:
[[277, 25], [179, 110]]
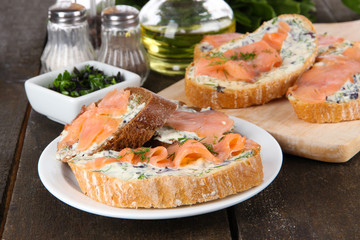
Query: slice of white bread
[[169, 187], [343, 105], [298, 53], [202, 48], [146, 112]]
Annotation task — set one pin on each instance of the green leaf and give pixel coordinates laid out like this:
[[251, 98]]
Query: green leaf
[[243, 19], [264, 10], [353, 5], [67, 76], [285, 6]]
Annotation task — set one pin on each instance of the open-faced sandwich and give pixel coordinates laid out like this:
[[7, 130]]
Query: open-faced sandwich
[[254, 68], [194, 157], [329, 91]]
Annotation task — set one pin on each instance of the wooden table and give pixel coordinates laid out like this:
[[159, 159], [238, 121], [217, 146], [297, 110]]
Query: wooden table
[[308, 199]]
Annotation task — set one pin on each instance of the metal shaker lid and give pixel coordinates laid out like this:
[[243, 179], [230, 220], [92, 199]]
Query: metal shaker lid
[[67, 12], [120, 16]]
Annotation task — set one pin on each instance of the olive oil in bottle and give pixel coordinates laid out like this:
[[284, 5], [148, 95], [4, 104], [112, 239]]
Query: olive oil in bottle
[[170, 30]]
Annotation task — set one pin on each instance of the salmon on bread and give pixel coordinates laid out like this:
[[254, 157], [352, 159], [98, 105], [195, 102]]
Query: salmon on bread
[[254, 68], [329, 91], [123, 118], [204, 160]]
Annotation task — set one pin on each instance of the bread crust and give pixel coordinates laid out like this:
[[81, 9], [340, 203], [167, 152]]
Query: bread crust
[[326, 112], [141, 128], [171, 191], [258, 93]]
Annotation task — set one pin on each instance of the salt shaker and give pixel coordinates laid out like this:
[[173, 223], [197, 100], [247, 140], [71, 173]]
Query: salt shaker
[[121, 40], [68, 37]]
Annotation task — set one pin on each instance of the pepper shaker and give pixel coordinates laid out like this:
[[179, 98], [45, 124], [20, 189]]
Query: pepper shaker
[[121, 41], [68, 37]]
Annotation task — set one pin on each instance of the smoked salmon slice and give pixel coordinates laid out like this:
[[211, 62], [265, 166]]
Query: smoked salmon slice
[[100, 162], [179, 155], [247, 62], [232, 144], [219, 39], [97, 121], [96, 129], [192, 151], [74, 129], [115, 99], [327, 40], [158, 157], [325, 79], [127, 155], [204, 124]]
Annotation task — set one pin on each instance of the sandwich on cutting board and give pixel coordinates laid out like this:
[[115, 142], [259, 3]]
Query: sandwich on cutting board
[[254, 68], [193, 157], [329, 91]]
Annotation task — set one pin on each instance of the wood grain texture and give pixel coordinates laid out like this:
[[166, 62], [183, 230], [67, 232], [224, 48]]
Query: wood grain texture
[[20, 47], [12, 113], [308, 200], [331, 142], [22, 38]]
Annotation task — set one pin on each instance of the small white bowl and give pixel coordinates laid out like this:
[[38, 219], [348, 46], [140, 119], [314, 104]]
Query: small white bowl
[[63, 109]]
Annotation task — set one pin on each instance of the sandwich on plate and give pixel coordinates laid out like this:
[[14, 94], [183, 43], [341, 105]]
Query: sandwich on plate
[[254, 68], [195, 155]]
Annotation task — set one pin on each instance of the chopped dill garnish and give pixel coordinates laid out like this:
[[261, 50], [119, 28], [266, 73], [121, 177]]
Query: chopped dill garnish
[[142, 176], [247, 56], [121, 156], [226, 73], [274, 20], [199, 140], [141, 151], [225, 133], [171, 156], [210, 148], [182, 140], [247, 155]]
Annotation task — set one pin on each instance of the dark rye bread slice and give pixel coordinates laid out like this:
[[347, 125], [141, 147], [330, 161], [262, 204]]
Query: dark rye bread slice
[[139, 129]]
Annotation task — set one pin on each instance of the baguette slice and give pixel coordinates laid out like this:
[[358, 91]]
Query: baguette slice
[[298, 53], [170, 190], [209, 42], [148, 113], [341, 105]]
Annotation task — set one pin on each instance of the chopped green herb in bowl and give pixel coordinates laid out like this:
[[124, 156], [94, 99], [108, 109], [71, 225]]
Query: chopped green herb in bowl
[[84, 81]]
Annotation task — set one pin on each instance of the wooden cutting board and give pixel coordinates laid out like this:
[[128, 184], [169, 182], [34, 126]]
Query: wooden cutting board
[[330, 142]]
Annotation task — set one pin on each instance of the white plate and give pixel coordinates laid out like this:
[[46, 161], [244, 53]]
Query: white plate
[[59, 180]]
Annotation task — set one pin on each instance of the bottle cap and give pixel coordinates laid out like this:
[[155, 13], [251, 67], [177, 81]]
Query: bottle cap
[[120, 16], [67, 12]]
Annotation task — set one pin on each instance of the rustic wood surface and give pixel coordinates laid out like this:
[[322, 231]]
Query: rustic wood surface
[[308, 199]]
